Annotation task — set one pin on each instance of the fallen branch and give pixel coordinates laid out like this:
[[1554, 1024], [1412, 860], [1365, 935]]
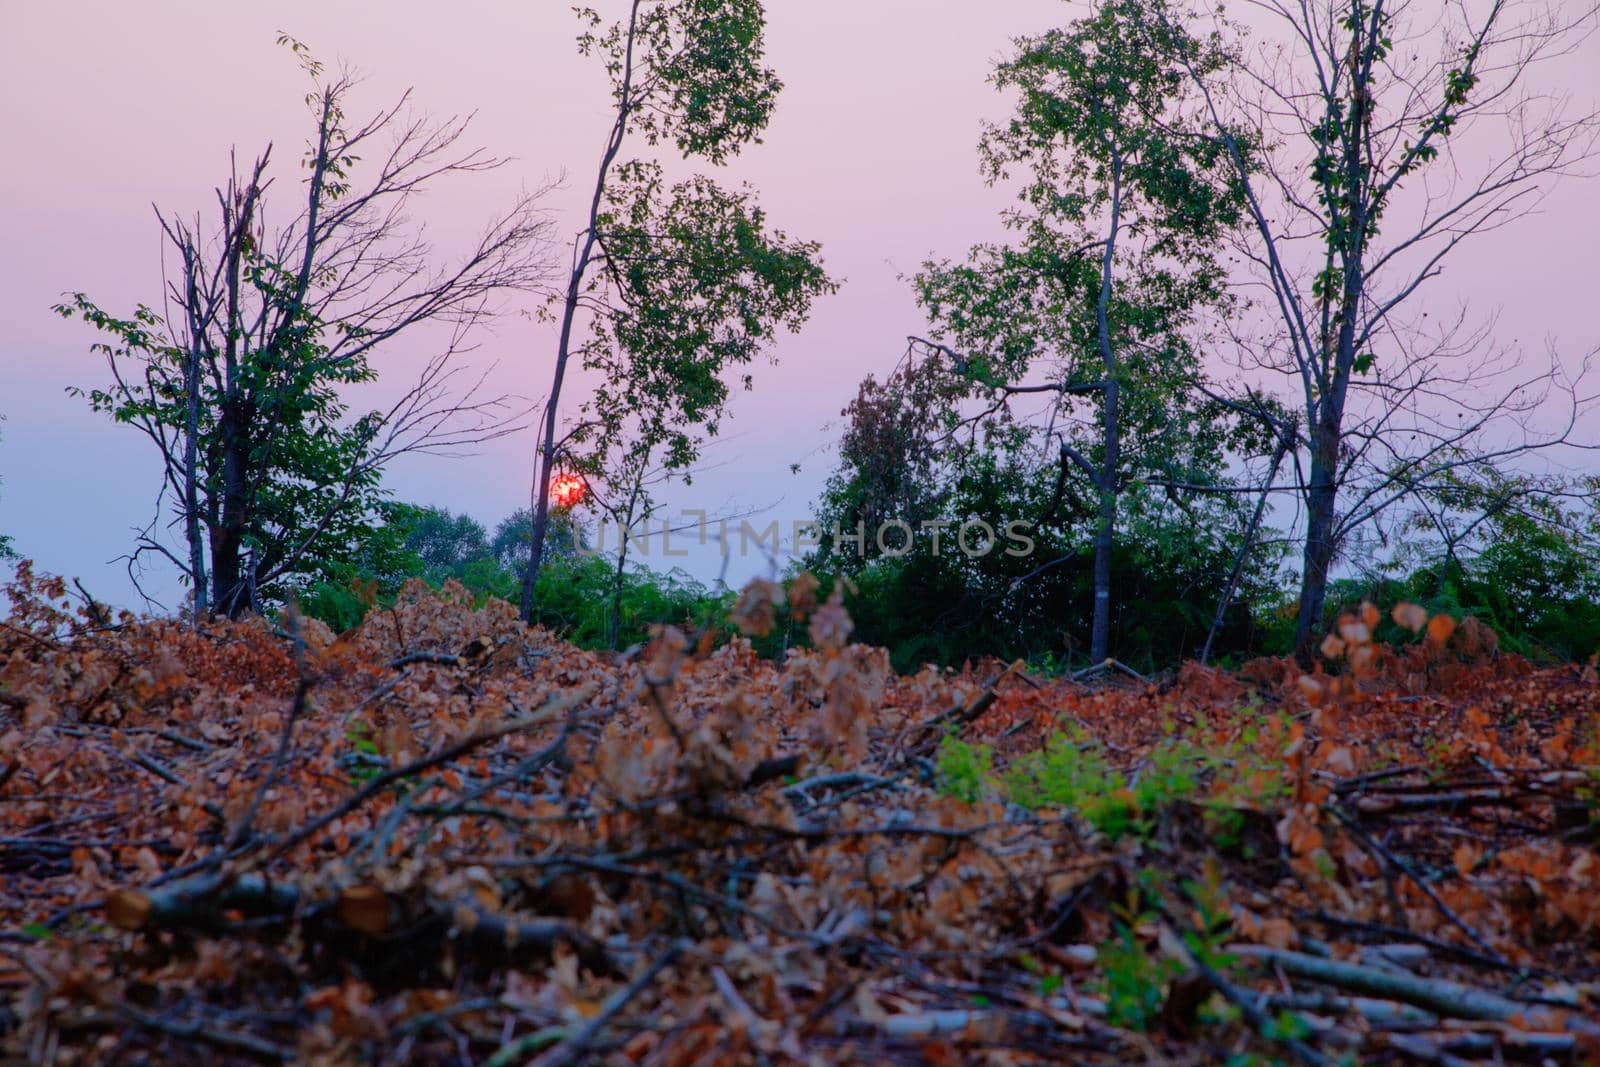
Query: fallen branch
[[195, 1030], [1111, 663], [1379, 1014], [1444, 998], [1395, 803], [924, 736], [438, 659], [1459, 952], [1173, 945], [199, 903], [1489, 1043], [1424, 1050], [514, 934]]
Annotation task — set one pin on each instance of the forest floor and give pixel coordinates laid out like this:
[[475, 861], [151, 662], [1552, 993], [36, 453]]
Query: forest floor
[[445, 838]]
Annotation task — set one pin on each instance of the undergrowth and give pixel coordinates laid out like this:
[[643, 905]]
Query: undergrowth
[[1072, 771]]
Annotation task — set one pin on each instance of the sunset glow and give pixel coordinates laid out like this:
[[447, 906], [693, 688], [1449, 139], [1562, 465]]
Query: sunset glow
[[566, 490]]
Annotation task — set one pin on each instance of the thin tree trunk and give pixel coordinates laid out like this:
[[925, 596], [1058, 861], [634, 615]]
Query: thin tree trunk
[[615, 636], [569, 312], [230, 521], [191, 498], [1327, 431], [192, 526], [547, 447], [1105, 540]]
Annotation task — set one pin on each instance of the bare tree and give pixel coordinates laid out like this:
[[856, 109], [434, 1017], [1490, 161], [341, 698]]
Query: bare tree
[[239, 382], [1390, 132]]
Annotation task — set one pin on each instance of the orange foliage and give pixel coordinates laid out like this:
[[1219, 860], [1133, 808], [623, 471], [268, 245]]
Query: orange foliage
[[437, 853]]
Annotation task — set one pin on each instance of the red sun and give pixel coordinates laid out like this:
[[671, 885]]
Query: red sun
[[566, 490]]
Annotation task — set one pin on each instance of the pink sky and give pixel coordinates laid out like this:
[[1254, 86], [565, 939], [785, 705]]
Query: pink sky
[[114, 105]]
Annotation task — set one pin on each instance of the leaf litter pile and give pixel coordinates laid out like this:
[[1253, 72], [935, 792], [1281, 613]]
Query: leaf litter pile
[[446, 838]]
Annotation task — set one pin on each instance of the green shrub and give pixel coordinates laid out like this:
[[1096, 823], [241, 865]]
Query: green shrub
[[1169, 568], [966, 771], [1133, 980], [1071, 772]]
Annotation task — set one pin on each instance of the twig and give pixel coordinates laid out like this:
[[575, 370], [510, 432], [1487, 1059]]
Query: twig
[[517, 1051], [742, 1011], [301, 691], [924, 735], [1345, 785], [47, 642], [1110, 663], [777, 767], [1404, 868], [577, 1045], [195, 1030], [441, 659], [553, 708]]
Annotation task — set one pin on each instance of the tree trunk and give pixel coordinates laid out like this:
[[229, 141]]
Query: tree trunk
[[616, 597], [1321, 497], [227, 572], [229, 594], [1327, 430], [1105, 540], [191, 478], [541, 484]]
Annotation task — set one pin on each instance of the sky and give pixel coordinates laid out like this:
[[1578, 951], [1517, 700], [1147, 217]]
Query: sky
[[112, 107]]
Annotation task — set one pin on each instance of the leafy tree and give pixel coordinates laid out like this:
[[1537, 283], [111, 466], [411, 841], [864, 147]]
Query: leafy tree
[[341, 589], [895, 456], [678, 284], [241, 387], [947, 605], [445, 543], [580, 599], [512, 542], [1359, 189], [1122, 205], [913, 466]]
